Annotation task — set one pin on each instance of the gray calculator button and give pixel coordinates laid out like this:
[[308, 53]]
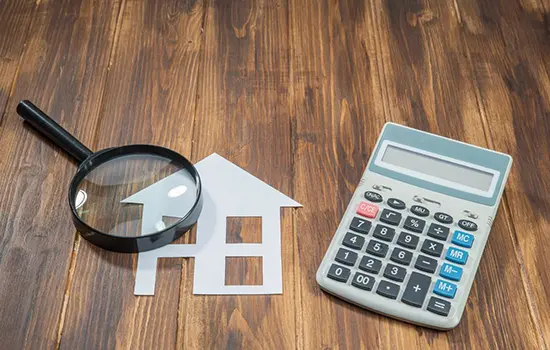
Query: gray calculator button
[[414, 224], [346, 257], [390, 217], [426, 264], [401, 256], [339, 273], [416, 289], [432, 248], [467, 225], [360, 225], [369, 264], [388, 289], [384, 233], [439, 306], [396, 203], [360, 280], [420, 210], [395, 272], [373, 197], [407, 240], [438, 232], [443, 218], [377, 248], [353, 241]]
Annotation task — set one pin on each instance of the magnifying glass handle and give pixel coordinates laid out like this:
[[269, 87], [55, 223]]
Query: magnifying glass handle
[[49, 128]]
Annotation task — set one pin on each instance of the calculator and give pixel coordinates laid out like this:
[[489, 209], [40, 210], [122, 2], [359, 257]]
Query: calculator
[[411, 239]]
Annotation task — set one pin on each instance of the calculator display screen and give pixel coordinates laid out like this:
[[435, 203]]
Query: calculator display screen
[[435, 167]]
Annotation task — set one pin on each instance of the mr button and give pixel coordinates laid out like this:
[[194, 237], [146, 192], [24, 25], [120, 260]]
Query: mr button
[[458, 256]]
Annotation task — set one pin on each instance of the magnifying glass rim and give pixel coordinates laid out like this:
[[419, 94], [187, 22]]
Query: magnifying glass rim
[[125, 244]]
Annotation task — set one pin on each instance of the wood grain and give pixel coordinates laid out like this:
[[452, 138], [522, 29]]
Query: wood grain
[[417, 96], [242, 114], [37, 233], [149, 98], [337, 113], [296, 93], [512, 77], [15, 18]]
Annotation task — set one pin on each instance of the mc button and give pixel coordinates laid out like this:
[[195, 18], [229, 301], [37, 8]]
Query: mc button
[[463, 239]]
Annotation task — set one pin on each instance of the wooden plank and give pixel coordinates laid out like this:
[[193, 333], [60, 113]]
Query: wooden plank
[[429, 86], [63, 71], [508, 45], [337, 113], [149, 98], [15, 18], [424, 78], [242, 114]]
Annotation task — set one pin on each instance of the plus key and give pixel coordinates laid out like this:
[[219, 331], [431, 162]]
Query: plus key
[[416, 289]]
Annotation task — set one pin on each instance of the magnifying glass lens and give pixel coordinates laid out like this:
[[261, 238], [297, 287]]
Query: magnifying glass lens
[[135, 195]]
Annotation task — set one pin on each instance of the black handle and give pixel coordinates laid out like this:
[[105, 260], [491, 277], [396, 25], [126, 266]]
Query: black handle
[[49, 128]]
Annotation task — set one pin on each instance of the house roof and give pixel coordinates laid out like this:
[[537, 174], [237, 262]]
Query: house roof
[[223, 182]]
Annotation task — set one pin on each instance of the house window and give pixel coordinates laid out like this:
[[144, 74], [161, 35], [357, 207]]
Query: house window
[[243, 229], [243, 271]]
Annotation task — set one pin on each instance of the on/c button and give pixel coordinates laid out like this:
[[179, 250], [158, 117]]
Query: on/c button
[[367, 210]]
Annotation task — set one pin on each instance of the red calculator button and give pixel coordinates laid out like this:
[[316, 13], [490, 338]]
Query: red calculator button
[[367, 210]]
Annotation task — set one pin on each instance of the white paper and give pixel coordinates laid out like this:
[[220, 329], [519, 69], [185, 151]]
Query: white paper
[[228, 191]]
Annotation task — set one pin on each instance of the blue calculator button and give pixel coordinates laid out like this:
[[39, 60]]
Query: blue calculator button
[[463, 239], [458, 256], [451, 272], [445, 289]]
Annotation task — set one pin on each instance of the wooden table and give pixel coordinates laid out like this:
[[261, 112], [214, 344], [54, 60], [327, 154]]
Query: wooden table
[[295, 92]]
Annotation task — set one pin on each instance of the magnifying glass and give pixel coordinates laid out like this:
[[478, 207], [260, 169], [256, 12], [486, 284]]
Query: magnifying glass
[[126, 199]]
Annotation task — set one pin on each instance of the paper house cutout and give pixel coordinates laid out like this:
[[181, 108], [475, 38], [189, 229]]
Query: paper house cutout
[[228, 191]]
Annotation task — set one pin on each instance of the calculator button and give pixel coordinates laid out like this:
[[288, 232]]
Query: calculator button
[[414, 224], [463, 239], [377, 248], [426, 264], [445, 289], [443, 218], [367, 210], [353, 241], [339, 273], [458, 256], [396, 203], [420, 210], [369, 264], [407, 240], [360, 280], [388, 289], [373, 197], [360, 225], [416, 289], [401, 256], [450, 272], [346, 257], [384, 233], [390, 217], [432, 248], [438, 232], [439, 306], [467, 225], [395, 272]]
